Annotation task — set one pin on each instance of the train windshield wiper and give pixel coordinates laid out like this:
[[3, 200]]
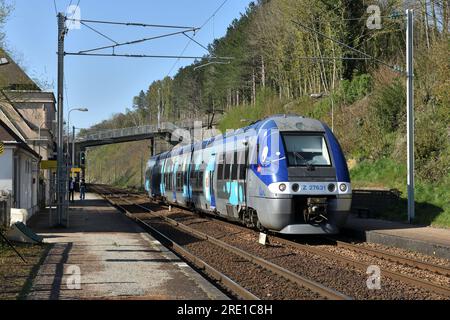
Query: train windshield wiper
[[309, 165]]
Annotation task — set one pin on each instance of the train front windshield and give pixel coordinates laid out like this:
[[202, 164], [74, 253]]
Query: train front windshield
[[306, 150]]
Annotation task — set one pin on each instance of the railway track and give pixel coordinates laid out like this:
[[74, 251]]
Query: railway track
[[445, 271], [410, 280], [444, 291], [230, 284], [442, 270], [218, 276]]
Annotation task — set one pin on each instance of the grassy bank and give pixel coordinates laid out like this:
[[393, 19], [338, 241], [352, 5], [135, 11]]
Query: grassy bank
[[432, 199]]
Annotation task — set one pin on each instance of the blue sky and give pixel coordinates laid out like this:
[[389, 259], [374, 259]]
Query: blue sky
[[107, 85]]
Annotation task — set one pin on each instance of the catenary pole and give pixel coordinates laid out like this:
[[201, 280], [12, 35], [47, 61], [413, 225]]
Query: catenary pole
[[61, 181], [73, 147], [410, 111]]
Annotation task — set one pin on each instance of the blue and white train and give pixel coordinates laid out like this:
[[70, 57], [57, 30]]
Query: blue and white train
[[285, 174]]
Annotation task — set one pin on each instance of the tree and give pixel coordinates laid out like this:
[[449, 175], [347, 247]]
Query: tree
[[139, 105]]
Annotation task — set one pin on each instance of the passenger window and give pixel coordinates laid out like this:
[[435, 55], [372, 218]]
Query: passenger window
[[234, 171], [220, 171], [200, 181], [242, 172], [226, 174], [179, 181]]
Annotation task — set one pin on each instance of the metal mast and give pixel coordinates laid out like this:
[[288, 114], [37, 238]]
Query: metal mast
[[410, 111], [61, 170]]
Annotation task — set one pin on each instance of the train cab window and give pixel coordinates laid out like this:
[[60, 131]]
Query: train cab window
[[305, 150]]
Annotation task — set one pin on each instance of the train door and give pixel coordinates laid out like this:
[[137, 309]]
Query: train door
[[243, 168], [211, 189]]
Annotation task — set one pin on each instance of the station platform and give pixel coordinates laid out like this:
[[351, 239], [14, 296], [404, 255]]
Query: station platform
[[105, 255], [427, 240]]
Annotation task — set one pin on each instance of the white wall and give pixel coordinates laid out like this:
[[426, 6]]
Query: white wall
[[26, 171], [6, 170], [26, 180]]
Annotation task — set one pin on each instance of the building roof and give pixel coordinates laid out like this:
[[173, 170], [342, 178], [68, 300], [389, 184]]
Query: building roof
[[11, 116], [8, 136], [12, 77], [31, 96]]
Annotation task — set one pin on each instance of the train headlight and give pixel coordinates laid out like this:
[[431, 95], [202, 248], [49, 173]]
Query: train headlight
[[295, 187], [331, 187], [282, 187], [343, 187]]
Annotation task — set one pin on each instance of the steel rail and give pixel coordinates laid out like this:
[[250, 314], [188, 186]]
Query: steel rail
[[442, 270], [395, 258], [441, 290], [289, 275], [438, 289], [199, 263], [445, 271]]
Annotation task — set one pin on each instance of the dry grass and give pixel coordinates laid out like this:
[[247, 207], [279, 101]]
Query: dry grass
[[15, 275]]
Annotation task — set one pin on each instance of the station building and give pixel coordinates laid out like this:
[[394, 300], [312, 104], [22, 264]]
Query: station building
[[27, 123]]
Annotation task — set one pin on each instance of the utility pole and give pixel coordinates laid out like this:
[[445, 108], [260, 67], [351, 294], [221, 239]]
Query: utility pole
[[410, 111], [73, 147], [61, 170], [159, 108], [142, 170]]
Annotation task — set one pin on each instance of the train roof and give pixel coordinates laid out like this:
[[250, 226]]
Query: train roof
[[283, 122]]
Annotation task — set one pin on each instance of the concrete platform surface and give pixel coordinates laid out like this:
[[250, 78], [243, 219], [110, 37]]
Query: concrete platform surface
[[427, 240], [104, 255]]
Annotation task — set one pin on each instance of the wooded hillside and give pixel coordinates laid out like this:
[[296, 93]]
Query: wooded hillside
[[284, 51]]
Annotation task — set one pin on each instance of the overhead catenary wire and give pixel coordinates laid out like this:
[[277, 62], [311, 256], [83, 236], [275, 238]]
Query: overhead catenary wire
[[140, 56], [56, 8], [347, 46], [133, 24], [201, 45], [98, 32], [213, 15], [178, 60], [190, 40], [136, 41]]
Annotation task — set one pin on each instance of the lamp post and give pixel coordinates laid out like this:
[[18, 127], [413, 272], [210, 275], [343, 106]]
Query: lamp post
[[73, 143], [68, 126]]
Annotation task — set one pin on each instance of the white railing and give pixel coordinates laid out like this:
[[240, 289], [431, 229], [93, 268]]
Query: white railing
[[135, 131]]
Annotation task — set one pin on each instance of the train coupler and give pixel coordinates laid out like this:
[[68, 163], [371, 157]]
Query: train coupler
[[316, 210]]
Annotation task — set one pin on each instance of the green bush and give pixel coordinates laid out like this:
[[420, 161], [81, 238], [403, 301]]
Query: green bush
[[357, 88], [389, 105], [431, 146]]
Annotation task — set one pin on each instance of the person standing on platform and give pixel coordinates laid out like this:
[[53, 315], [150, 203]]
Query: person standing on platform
[[82, 190], [71, 190]]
